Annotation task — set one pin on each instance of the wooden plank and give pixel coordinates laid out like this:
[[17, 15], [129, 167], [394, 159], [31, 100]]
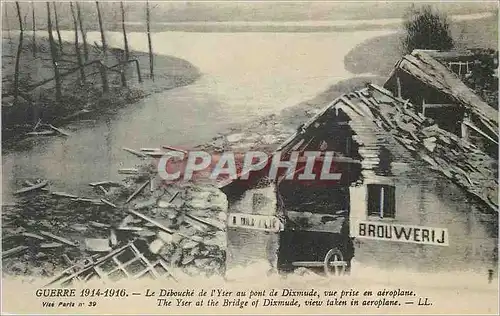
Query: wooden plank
[[13, 251], [31, 188], [439, 105], [213, 224], [27, 182], [398, 82], [86, 200], [477, 129], [60, 131], [128, 171], [150, 220], [108, 203], [139, 189], [64, 194], [174, 149], [150, 149], [33, 236], [61, 239], [106, 182], [41, 133], [134, 152], [51, 245], [102, 189]]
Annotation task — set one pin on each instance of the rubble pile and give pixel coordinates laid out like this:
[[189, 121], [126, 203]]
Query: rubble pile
[[262, 135], [133, 229]]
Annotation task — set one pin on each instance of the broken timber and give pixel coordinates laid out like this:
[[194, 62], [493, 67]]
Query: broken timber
[[61, 239], [139, 189], [135, 152], [13, 251], [31, 188], [60, 131]]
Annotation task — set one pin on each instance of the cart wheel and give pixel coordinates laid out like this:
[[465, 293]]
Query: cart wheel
[[334, 263]]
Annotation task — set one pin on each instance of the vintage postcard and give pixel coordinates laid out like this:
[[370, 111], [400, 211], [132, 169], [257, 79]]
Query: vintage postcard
[[250, 157]]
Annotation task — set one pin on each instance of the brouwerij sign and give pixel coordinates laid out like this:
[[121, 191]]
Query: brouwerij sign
[[402, 233], [253, 221]]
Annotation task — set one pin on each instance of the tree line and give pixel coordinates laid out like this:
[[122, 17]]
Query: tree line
[[81, 54]]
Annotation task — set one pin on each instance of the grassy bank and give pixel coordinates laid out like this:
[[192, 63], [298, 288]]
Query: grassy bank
[[80, 98], [378, 55]]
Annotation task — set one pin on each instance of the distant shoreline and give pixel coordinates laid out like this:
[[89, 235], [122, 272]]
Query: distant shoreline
[[304, 26]]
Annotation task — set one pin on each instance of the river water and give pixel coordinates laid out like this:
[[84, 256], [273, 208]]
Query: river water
[[244, 75]]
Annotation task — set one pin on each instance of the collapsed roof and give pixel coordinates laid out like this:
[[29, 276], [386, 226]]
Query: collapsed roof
[[421, 65], [379, 118]]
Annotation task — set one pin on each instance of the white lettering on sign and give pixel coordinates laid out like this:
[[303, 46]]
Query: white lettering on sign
[[253, 221], [402, 233]]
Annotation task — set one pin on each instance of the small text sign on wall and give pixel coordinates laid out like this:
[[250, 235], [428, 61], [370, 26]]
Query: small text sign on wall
[[254, 221], [402, 233]]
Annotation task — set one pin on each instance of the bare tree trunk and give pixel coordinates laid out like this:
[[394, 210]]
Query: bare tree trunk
[[34, 27], [77, 46], [53, 53], [150, 43], [125, 41], [101, 28], [18, 55], [21, 28], [7, 23], [57, 28], [84, 35]]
